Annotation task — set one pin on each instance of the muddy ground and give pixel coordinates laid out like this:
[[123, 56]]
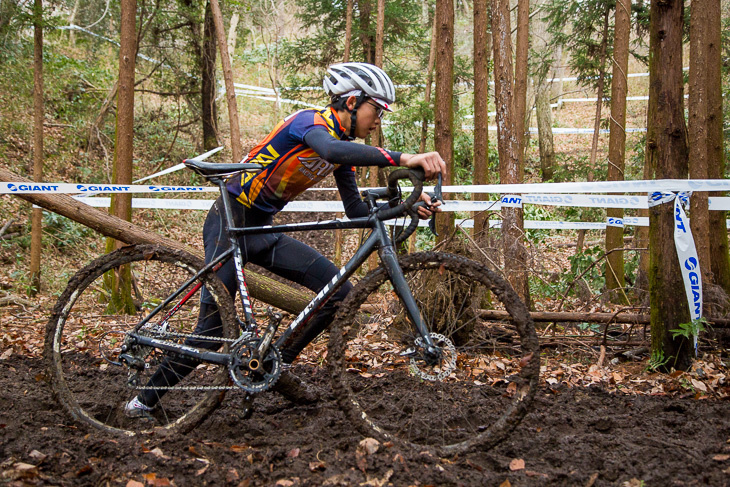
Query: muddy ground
[[573, 436]]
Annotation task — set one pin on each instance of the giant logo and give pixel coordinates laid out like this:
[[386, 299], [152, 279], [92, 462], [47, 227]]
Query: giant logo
[[691, 265]]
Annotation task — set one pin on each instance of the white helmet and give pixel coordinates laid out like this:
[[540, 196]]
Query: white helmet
[[346, 78]]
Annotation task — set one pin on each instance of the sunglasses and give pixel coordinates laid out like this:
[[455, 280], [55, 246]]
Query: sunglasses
[[379, 111]]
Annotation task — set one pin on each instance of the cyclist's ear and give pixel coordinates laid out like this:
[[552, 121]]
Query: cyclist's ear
[[351, 102]]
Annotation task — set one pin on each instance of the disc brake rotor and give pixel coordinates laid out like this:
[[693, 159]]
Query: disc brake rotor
[[446, 364]]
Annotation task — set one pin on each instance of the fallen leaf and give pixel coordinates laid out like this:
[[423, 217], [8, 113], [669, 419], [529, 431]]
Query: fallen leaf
[[505, 484], [232, 475], [284, 483], [85, 470], [517, 464], [37, 456], [238, 448], [158, 453], [699, 385], [293, 453], [525, 360], [134, 483], [721, 458], [315, 466], [369, 445], [6, 354]]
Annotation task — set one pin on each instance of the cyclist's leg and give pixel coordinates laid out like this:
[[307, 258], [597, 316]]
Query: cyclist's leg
[[300, 263], [170, 372]]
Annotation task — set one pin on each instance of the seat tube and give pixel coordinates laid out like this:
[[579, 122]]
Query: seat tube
[[390, 262]]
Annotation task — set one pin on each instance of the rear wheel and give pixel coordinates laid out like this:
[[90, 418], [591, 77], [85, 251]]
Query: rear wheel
[[91, 373], [472, 394]]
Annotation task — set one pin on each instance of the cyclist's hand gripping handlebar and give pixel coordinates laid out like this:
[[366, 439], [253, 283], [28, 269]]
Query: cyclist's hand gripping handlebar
[[416, 177]]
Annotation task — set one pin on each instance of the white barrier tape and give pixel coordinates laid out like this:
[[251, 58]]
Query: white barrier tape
[[689, 262], [614, 222], [70, 188], [641, 186]]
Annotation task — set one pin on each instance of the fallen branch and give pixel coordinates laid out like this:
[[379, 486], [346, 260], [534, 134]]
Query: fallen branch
[[563, 316]]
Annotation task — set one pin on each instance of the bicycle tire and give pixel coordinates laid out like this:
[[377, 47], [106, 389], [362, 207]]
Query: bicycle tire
[[94, 391], [497, 366]]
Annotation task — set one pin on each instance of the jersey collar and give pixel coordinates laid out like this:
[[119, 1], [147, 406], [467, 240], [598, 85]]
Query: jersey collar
[[333, 120]]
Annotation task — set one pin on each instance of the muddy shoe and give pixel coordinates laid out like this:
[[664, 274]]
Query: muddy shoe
[[135, 409], [295, 389]]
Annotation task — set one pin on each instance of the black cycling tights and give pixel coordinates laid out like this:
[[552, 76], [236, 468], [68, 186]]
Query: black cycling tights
[[280, 254]]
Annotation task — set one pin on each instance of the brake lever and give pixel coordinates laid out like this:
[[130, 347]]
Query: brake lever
[[436, 196]]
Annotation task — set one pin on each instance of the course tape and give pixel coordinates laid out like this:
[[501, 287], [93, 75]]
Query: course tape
[[689, 262], [641, 186]]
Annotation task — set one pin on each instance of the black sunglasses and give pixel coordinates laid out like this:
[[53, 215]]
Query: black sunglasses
[[379, 111]]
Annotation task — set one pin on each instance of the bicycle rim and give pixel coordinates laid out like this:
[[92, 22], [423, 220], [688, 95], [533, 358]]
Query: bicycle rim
[[84, 336], [387, 392]]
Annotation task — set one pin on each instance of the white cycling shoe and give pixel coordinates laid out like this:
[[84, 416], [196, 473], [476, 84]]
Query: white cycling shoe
[[135, 409]]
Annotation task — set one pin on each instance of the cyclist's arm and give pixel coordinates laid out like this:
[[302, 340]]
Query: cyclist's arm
[[349, 194], [349, 153]]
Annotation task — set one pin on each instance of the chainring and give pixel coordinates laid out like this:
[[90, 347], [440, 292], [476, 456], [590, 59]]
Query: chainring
[[446, 364], [254, 381]]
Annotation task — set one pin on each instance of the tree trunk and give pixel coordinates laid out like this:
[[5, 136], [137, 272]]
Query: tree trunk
[[380, 34], [545, 130], [429, 82], [36, 245], [72, 21], [515, 261], [236, 146], [121, 204], [699, 111], [667, 147], [444, 114], [208, 86], [719, 253], [231, 41], [520, 102], [366, 7], [260, 287], [614, 271], [348, 31], [481, 107]]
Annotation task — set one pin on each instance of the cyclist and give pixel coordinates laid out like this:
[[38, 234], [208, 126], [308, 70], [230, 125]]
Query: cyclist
[[302, 150]]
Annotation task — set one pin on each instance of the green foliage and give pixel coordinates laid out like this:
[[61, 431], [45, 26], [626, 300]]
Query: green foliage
[[63, 233], [581, 261], [691, 329], [657, 361]]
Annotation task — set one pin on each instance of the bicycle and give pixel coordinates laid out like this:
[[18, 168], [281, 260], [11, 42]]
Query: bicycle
[[409, 353]]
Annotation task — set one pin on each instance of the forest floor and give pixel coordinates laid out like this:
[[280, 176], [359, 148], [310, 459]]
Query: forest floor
[[598, 419]]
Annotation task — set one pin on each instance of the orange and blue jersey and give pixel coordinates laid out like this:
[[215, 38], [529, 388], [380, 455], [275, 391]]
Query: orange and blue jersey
[[290, 165]]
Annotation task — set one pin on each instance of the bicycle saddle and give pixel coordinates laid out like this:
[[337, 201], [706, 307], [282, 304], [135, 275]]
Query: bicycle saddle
[[213, 169]]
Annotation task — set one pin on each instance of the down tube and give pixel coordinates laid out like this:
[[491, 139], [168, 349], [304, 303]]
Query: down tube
[[343, 275]]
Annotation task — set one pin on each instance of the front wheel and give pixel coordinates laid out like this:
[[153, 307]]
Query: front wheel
[[472, 393], [94, 366]]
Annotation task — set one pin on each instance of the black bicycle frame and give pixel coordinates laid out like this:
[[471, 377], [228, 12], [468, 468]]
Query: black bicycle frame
[[379, 239]]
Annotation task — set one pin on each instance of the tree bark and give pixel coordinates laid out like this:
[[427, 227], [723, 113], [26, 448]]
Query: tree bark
[[121, 204], [481, 107], [260, 287], [380, 34], [545, 131], [667, 148], [614, 271], [520, 102], [208, 85], [444, 113], [429, 82], [698, 109], [36, 244], [236, 145], [231, 41], [719, 252], [348, 31], [515, 259], [366, 39]]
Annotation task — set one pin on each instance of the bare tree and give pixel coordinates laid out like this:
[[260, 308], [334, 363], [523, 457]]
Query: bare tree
[[348, 30], [617, 140], [236, 146], [429, 82], [444, 113], [208, 85], [719, 254], [508, 148], [481, 105], [667, 152], [36, 244]]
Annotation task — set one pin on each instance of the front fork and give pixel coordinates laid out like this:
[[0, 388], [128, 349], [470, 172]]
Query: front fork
[[389, 259]]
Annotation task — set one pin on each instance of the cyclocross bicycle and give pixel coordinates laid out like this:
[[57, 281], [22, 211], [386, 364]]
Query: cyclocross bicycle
[[411, 358]]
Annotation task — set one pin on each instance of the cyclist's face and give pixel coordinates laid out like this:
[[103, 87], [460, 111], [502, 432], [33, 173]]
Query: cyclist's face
[[368, 118]]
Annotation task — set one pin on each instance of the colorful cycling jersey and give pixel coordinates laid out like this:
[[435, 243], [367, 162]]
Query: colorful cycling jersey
[[290, 165]]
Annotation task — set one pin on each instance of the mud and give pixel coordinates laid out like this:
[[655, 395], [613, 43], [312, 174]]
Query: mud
[[572, 436]]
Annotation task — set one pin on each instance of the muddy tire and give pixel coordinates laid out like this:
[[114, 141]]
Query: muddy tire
[[109, 298], [388, 394]]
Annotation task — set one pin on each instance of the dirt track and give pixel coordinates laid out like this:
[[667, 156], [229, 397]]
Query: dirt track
[[570, 437]]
